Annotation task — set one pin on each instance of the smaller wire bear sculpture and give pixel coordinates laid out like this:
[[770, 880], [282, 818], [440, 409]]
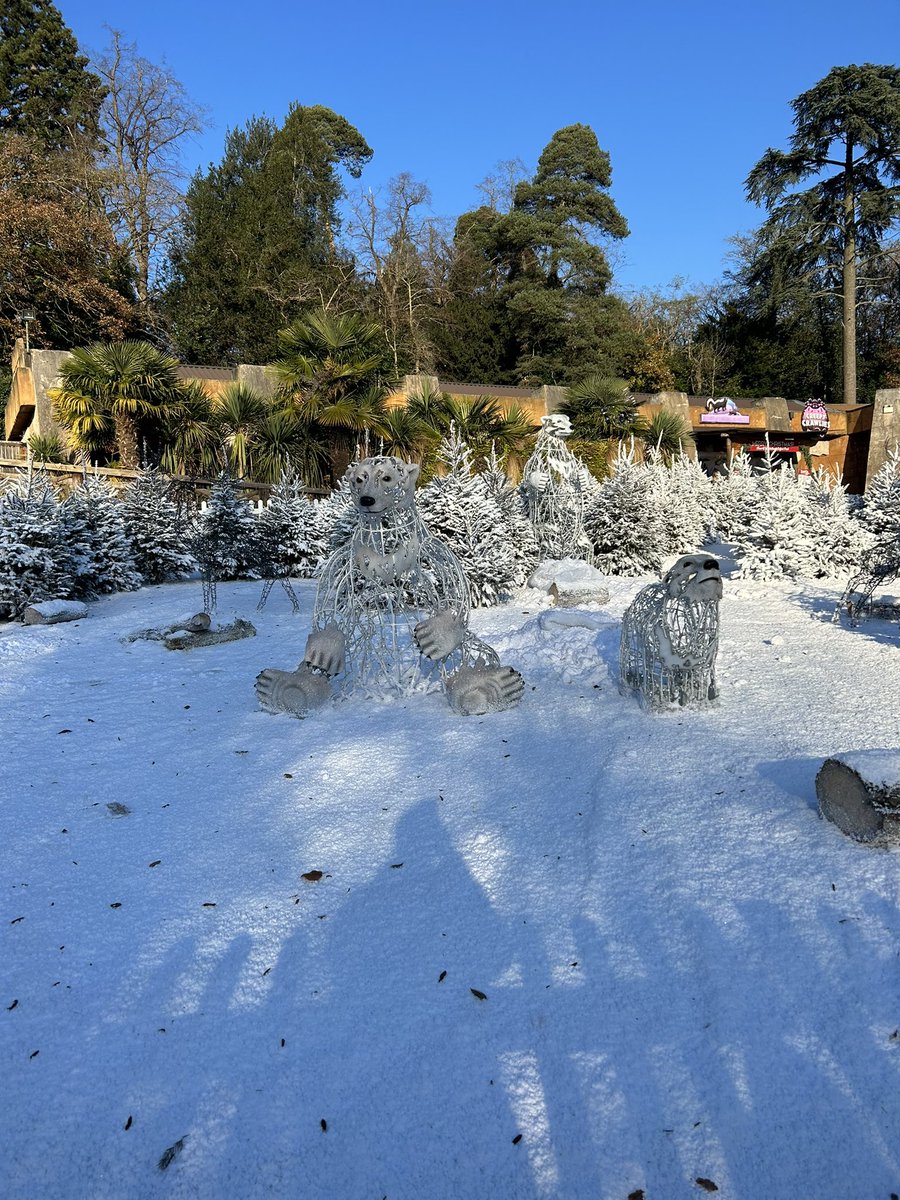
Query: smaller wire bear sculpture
[[555, 484], [670, 636], [882, 567]]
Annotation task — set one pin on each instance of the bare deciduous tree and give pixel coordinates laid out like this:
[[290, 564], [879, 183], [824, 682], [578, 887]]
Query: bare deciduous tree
[[147, 115]]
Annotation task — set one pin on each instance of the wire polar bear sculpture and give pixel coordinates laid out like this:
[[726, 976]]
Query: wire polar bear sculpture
[[391, 615], [670, 636], [555, 485]]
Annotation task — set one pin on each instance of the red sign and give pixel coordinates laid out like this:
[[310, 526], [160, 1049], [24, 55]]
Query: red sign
[[780, 444]]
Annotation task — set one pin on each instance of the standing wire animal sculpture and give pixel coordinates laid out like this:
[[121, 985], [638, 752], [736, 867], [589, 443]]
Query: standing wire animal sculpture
[[881, 568], [670, 636], [391, 615], [555, 482]]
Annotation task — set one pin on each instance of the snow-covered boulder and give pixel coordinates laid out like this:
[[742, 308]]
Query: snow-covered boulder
[[52, 612], [860, 793], [570, 582]]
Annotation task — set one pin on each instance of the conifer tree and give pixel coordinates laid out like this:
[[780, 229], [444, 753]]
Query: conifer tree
[[290, 545], [160, 536], [334, 520], [681, 491], [880, 513], [839, 540], [225, 543], [777, 543], [734, 496], [92, 514], [623, 522], [520, 533], [46, 92], [457, 508], [33, 560]]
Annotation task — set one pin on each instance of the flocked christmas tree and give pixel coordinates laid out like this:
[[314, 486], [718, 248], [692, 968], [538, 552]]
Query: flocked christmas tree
[[33, 559], [520, 534], [839, 541], [225, 544], [881, 504], [777, 542], [160, 535], [623, 521], [733, 499], [681, 493], [92, 519], [334, 519], [457, 508], [290, 545]]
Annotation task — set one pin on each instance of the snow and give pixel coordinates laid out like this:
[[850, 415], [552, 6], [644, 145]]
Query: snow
[[687, 973]]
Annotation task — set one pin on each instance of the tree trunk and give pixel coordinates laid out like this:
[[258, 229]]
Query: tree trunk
[[849, 332], [127, 441]]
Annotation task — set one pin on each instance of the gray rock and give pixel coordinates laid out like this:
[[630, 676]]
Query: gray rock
[[186, 639]]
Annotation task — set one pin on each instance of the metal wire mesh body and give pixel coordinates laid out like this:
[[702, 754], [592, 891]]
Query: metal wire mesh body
[[553, 479], [288, 588], [390, 576], [668, 648], [858, 600]]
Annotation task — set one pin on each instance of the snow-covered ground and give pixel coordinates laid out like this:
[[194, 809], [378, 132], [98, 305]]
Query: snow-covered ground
[[570, 950]]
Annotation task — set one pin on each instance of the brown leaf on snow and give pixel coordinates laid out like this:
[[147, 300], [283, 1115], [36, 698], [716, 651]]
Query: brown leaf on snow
[[171, 1154], [324, 1124], [517, 1139], [128, 1123], [10, 1007], [65, 731], [155, 862], [636, 1195], [312, 876], [707, 1184], [442, 976], [478, 995]]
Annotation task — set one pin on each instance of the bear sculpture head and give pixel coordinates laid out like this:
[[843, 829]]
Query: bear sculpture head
[[696, 577], [382, 485]]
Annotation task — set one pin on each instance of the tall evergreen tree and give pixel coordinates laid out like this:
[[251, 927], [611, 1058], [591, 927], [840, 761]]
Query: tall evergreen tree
[[225, 542], [623, 520], [846, 138], [263, 228], [290, 544], [46, 90]]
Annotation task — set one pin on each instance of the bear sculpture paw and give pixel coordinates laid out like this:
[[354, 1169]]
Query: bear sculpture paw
[[476, 690], [293, 692]]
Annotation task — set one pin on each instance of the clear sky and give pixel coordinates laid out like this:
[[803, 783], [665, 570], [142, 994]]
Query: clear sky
[[685, 95]]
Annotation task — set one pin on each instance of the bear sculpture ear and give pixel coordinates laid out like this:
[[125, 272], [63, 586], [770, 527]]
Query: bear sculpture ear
[[412, 473]]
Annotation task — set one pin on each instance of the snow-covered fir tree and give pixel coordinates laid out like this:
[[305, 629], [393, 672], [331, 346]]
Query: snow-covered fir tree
[[335, 518], [33, 558], [160, 535], [290, 543], [680, 489], [778, 542], [880, 512], [92, 519], [225, 542], [734, 495], [623, 521], [840, 541], [520, 531], [457, 508]]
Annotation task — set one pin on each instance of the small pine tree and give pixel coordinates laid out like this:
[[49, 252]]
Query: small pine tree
[[160, 538], [778, 542], [840, 541], [33, 559], [520, 532], [681, 492], [880, 513], [92, 515], [225, 543], [289, 542], [457, 508], [733, 499], [623, 522]]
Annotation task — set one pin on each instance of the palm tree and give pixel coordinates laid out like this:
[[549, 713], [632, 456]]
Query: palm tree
[[109, 389], [668, 433], [191, 436], [334, 372], [239, 411], [601, 408], [481, 422]]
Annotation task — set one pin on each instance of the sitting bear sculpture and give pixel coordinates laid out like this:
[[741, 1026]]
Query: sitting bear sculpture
[[391, 612], [670, 635]]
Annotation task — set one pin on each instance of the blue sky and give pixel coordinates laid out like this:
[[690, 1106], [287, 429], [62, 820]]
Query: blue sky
[[685, 95]]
